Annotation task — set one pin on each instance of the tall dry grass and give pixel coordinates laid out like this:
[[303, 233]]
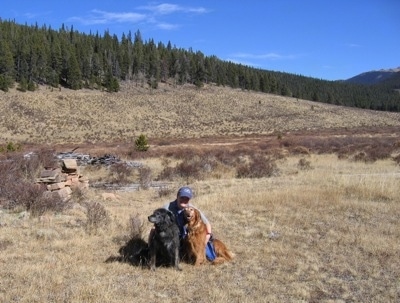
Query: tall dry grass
[[325, 234]]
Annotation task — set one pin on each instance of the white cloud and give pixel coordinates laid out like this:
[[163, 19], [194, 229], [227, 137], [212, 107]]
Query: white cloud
[[163, 9], [102, 17], [121, 17], [36, 15], [151, 17], [168, 8], [167, 26]]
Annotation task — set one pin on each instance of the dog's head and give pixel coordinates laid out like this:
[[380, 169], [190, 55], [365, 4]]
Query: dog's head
[[192, 214], [162, 216]]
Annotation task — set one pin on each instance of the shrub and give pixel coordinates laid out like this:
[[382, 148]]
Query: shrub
[[11, 147], [120, 173], [258, 167], [165, 191], [304, 164], [17, 187], [14, 188], [369, 156], [168, 173], [396, 159], [6, 82], [31, 165], [97, 216], [141, 143], [4, 244], [190, 169], [380, 152], [300, 150], [45, 203], [20, 194], [145, 177], [360, 156], [79, 195], [136, 226], [225, 157]]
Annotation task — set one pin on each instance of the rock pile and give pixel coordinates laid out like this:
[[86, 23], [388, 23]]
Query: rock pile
[[62, 181]]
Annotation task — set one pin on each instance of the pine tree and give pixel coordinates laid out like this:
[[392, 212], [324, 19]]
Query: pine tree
[[141, 143], [6, 66], [73, 73]]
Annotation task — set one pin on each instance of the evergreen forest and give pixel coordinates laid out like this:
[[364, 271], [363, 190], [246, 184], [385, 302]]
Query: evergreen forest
[[31, 55]]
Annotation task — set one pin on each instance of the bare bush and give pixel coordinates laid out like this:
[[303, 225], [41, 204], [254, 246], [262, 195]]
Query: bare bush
[[120, 173], [79, 195], [225, 157], [258, 167], [97, 216], [379, 152], [4, 244], [47, 203], [396, 159], [165, 191], [145, 177], [14, 188], [360, 156], [304, 164], [31, 166], [184, 153], [46, 157], [17, 187], [300, 150], [190, 169], [168, 173], [371, 155], [136, 226]]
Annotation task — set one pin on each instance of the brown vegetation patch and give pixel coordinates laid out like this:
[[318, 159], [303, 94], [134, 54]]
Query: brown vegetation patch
[[168, 113]]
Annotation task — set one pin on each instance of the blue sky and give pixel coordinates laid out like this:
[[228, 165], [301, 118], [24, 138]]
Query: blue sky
[[323, 39]]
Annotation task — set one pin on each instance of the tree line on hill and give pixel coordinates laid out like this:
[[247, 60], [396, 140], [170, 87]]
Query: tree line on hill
[[32, 55]]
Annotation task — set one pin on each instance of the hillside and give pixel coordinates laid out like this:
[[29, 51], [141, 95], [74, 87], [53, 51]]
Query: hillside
[[69, 59], [374, 77], [69, 116]]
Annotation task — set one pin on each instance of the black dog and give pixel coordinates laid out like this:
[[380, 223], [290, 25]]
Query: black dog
[[164, 242]]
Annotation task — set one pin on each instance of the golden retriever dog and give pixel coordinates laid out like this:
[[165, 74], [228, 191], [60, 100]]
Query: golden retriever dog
[[196, 240]]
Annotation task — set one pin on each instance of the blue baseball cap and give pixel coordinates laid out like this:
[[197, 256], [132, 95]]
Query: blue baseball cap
[[185, 192]]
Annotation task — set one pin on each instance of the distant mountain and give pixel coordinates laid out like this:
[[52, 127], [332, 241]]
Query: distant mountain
[[374, 77]]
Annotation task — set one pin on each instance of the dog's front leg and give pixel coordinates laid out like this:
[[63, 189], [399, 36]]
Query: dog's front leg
[[152, 261], [200, 255], [176, 260]]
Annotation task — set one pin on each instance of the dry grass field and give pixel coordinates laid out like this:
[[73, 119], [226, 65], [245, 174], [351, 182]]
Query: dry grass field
[[322, 228], [53, 116]]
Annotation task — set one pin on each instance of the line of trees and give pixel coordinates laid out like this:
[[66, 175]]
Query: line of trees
[[32, 55]]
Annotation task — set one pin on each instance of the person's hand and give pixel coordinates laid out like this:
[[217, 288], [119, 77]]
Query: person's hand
[[208, 236]]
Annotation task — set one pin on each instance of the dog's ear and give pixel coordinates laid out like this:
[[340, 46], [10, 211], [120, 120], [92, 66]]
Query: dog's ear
[[196, 214]]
